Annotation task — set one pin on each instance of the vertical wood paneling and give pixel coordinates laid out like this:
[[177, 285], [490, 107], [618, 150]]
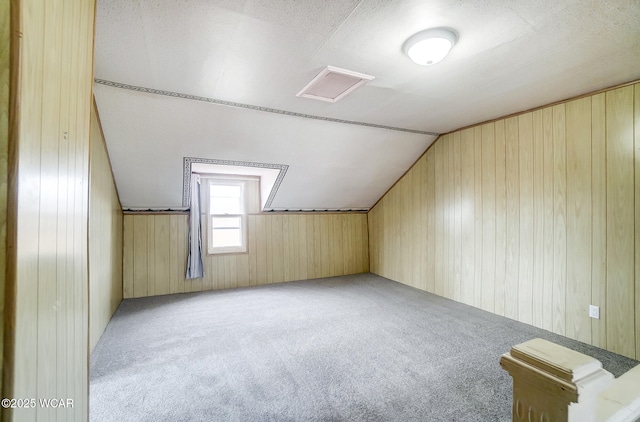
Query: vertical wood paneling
[[150, 274], [4, 150], [156, 247], [128, 256], [140, 253], [559, 222], [538, 219], [422, 231], [468, 219], [477, 178], [416, 200], [637, 213], [457, 231], [429, 236], [47, 265], [261, 251], [620, 221], [47, 291], [599, 219], [488, 217], [501, 215], [162, 254], [105, 237], [289, 265], [438, 204], [579, 220], [548, 233], [549, 215], [525, 206], [512, 217]]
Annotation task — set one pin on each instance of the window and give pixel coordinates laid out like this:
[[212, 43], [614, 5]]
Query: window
[[228, 200]]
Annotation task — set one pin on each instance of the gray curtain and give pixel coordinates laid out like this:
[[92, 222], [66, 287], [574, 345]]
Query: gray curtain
[[195, 268]]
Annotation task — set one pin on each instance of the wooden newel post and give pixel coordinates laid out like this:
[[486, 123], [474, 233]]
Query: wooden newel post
[[554, 384]]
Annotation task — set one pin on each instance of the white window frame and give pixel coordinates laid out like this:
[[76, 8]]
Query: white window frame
[[225, 180]]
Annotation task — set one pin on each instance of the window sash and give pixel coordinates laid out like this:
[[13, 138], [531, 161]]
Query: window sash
[[233, 238]]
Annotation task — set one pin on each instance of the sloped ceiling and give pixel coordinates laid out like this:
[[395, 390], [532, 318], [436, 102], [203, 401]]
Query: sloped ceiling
[[217, 79]]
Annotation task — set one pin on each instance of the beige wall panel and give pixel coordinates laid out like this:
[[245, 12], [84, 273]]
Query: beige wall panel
[[168, 251], [294, 242], [429, 236], [501, 217], [4, 149], [140, 256], [363, 250], [560, 220], [525, 171], [261, 240], [313, 254], [449, 215], [422, 230], [477, 269], [252, 249], [457, 232], [450, 286], [162, 254], [438, 163], [488, 217], [547, 225], [553, 196], [637, 212], [446, 218], [127, 256], [373, 227], [47, 291], [175, 264], [242, 269], [47, 265], [512, 218], [579, 221], [151, 257], [322, 231], [620, 221], [599, 219], [467, 226], [287, 246], [337, 260], [415, 224], [538, 219], [105, 237]]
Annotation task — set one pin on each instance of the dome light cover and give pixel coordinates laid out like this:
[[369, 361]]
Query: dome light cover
[[430, 46]]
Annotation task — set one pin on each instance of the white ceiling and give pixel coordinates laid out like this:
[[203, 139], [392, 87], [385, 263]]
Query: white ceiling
[[511, 55]]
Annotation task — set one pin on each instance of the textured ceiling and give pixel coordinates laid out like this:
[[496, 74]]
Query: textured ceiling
[[511, 56]]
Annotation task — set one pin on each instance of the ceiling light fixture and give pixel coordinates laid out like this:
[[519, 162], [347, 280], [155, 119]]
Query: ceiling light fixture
[[430, 46]]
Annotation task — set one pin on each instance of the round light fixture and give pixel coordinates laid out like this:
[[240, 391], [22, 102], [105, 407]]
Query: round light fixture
[[430, 46]]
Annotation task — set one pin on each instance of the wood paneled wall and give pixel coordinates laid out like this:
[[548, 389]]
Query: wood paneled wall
[[282, 247], [533, 217], [4, 150], [105, 236], [46, 347]]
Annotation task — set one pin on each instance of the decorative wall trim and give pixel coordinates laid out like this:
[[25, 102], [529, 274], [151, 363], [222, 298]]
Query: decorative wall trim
[[155, 210], [318, 210], [186, 175], [254, 107]]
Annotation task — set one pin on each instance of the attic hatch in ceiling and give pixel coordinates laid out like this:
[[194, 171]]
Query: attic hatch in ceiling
[[333, 84], [271, 176]]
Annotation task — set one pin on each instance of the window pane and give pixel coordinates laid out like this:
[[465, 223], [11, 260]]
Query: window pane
[[226, 190], [225, 205], [226, 237], [226, 222]]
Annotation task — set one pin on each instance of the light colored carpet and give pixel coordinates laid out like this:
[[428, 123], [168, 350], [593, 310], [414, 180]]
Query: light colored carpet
[[353, 348]]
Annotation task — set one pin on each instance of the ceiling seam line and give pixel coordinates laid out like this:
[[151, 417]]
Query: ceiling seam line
[[254, 107]]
